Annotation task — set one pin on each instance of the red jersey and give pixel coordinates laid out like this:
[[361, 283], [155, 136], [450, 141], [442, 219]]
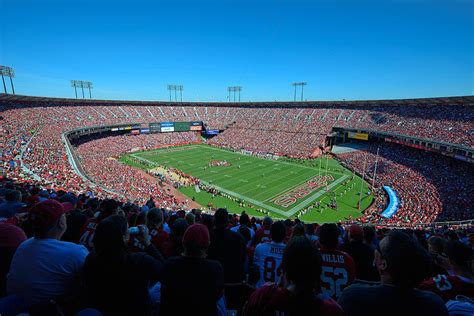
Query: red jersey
[[338, 272], [449, 286], [158, 238], [262, 235], [87, 233], [271, 300]]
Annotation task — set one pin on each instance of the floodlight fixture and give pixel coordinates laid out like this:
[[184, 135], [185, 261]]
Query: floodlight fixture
[[299, 84], [180, 89], [234, 89], [76, 84], [6, 71], [176, 88], [88, 85], [171, 87], [82, 84]]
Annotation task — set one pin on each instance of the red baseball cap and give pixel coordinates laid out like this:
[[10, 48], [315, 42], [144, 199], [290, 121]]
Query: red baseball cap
[[356, 231], [46, 213], [11, 236], [197, 235]]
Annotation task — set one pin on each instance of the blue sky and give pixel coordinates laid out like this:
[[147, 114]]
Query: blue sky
[[344, 49]]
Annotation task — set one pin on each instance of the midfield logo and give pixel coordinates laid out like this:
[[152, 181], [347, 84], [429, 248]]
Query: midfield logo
[[291, 197]]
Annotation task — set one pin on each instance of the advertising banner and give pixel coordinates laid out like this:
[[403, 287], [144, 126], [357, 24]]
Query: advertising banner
[[167, 129], [393, 204], [361, 136]]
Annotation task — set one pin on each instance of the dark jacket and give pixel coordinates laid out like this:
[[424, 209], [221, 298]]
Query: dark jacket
[[363, 256], [229, 249], [122, 289], [191, 286]]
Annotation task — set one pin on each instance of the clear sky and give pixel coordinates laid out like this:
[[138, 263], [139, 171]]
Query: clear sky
[[372, 49]]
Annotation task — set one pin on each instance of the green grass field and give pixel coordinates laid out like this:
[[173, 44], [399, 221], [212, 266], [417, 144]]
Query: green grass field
[[281, 187]]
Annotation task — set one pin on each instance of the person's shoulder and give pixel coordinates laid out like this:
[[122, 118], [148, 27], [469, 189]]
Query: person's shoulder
[[172, 261], [432, 301], [428, 296], [214, 265], [140, 257], [330, 306], [73, 248], [268, 290], [24, 246], [261, 247], [356, 289]]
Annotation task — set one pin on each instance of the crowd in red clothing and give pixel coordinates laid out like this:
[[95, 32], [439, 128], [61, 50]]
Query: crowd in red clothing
[[430, 187], [230, 263], [30, 134], [98, 158]]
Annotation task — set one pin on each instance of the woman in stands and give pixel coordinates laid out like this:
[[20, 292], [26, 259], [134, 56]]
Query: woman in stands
[[116, 282], [299, 292]]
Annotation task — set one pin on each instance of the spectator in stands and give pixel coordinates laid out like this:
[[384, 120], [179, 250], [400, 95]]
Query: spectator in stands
[[244, 229], [298, 231], [116, 282], [268, 256], [300, 291], [459, 280], [12, 204], [107, 208], [190, 218], [154, 219], [370, 236], [200, 279], [228, 248], [436, 249], [339, 269], [75, 222], [11, 237], [310, 233], [43, 267], [174, 246], [362, 253], [402, 264], [263, 233]]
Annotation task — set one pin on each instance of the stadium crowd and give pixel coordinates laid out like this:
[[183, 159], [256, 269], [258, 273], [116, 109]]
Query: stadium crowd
[[31, 138], [74, 254], [430, 187], [98, 158]]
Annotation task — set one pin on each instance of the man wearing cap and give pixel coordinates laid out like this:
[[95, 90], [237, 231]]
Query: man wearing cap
[[191, 284], [43, 267], [362, 253]]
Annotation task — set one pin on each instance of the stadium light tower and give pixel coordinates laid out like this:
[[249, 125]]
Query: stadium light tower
[[7, 72], [75, 84], [175, 88], [88, 85], [180, 89], [299, 84], [234, 89], [170, 87], [82, 84], [238, 89]]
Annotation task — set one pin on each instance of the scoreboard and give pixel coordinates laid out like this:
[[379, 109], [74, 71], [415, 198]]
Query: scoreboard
[[167, 127], [181, 126]]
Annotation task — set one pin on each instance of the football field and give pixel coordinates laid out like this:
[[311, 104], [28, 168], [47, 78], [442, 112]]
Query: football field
[[280, 186]]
